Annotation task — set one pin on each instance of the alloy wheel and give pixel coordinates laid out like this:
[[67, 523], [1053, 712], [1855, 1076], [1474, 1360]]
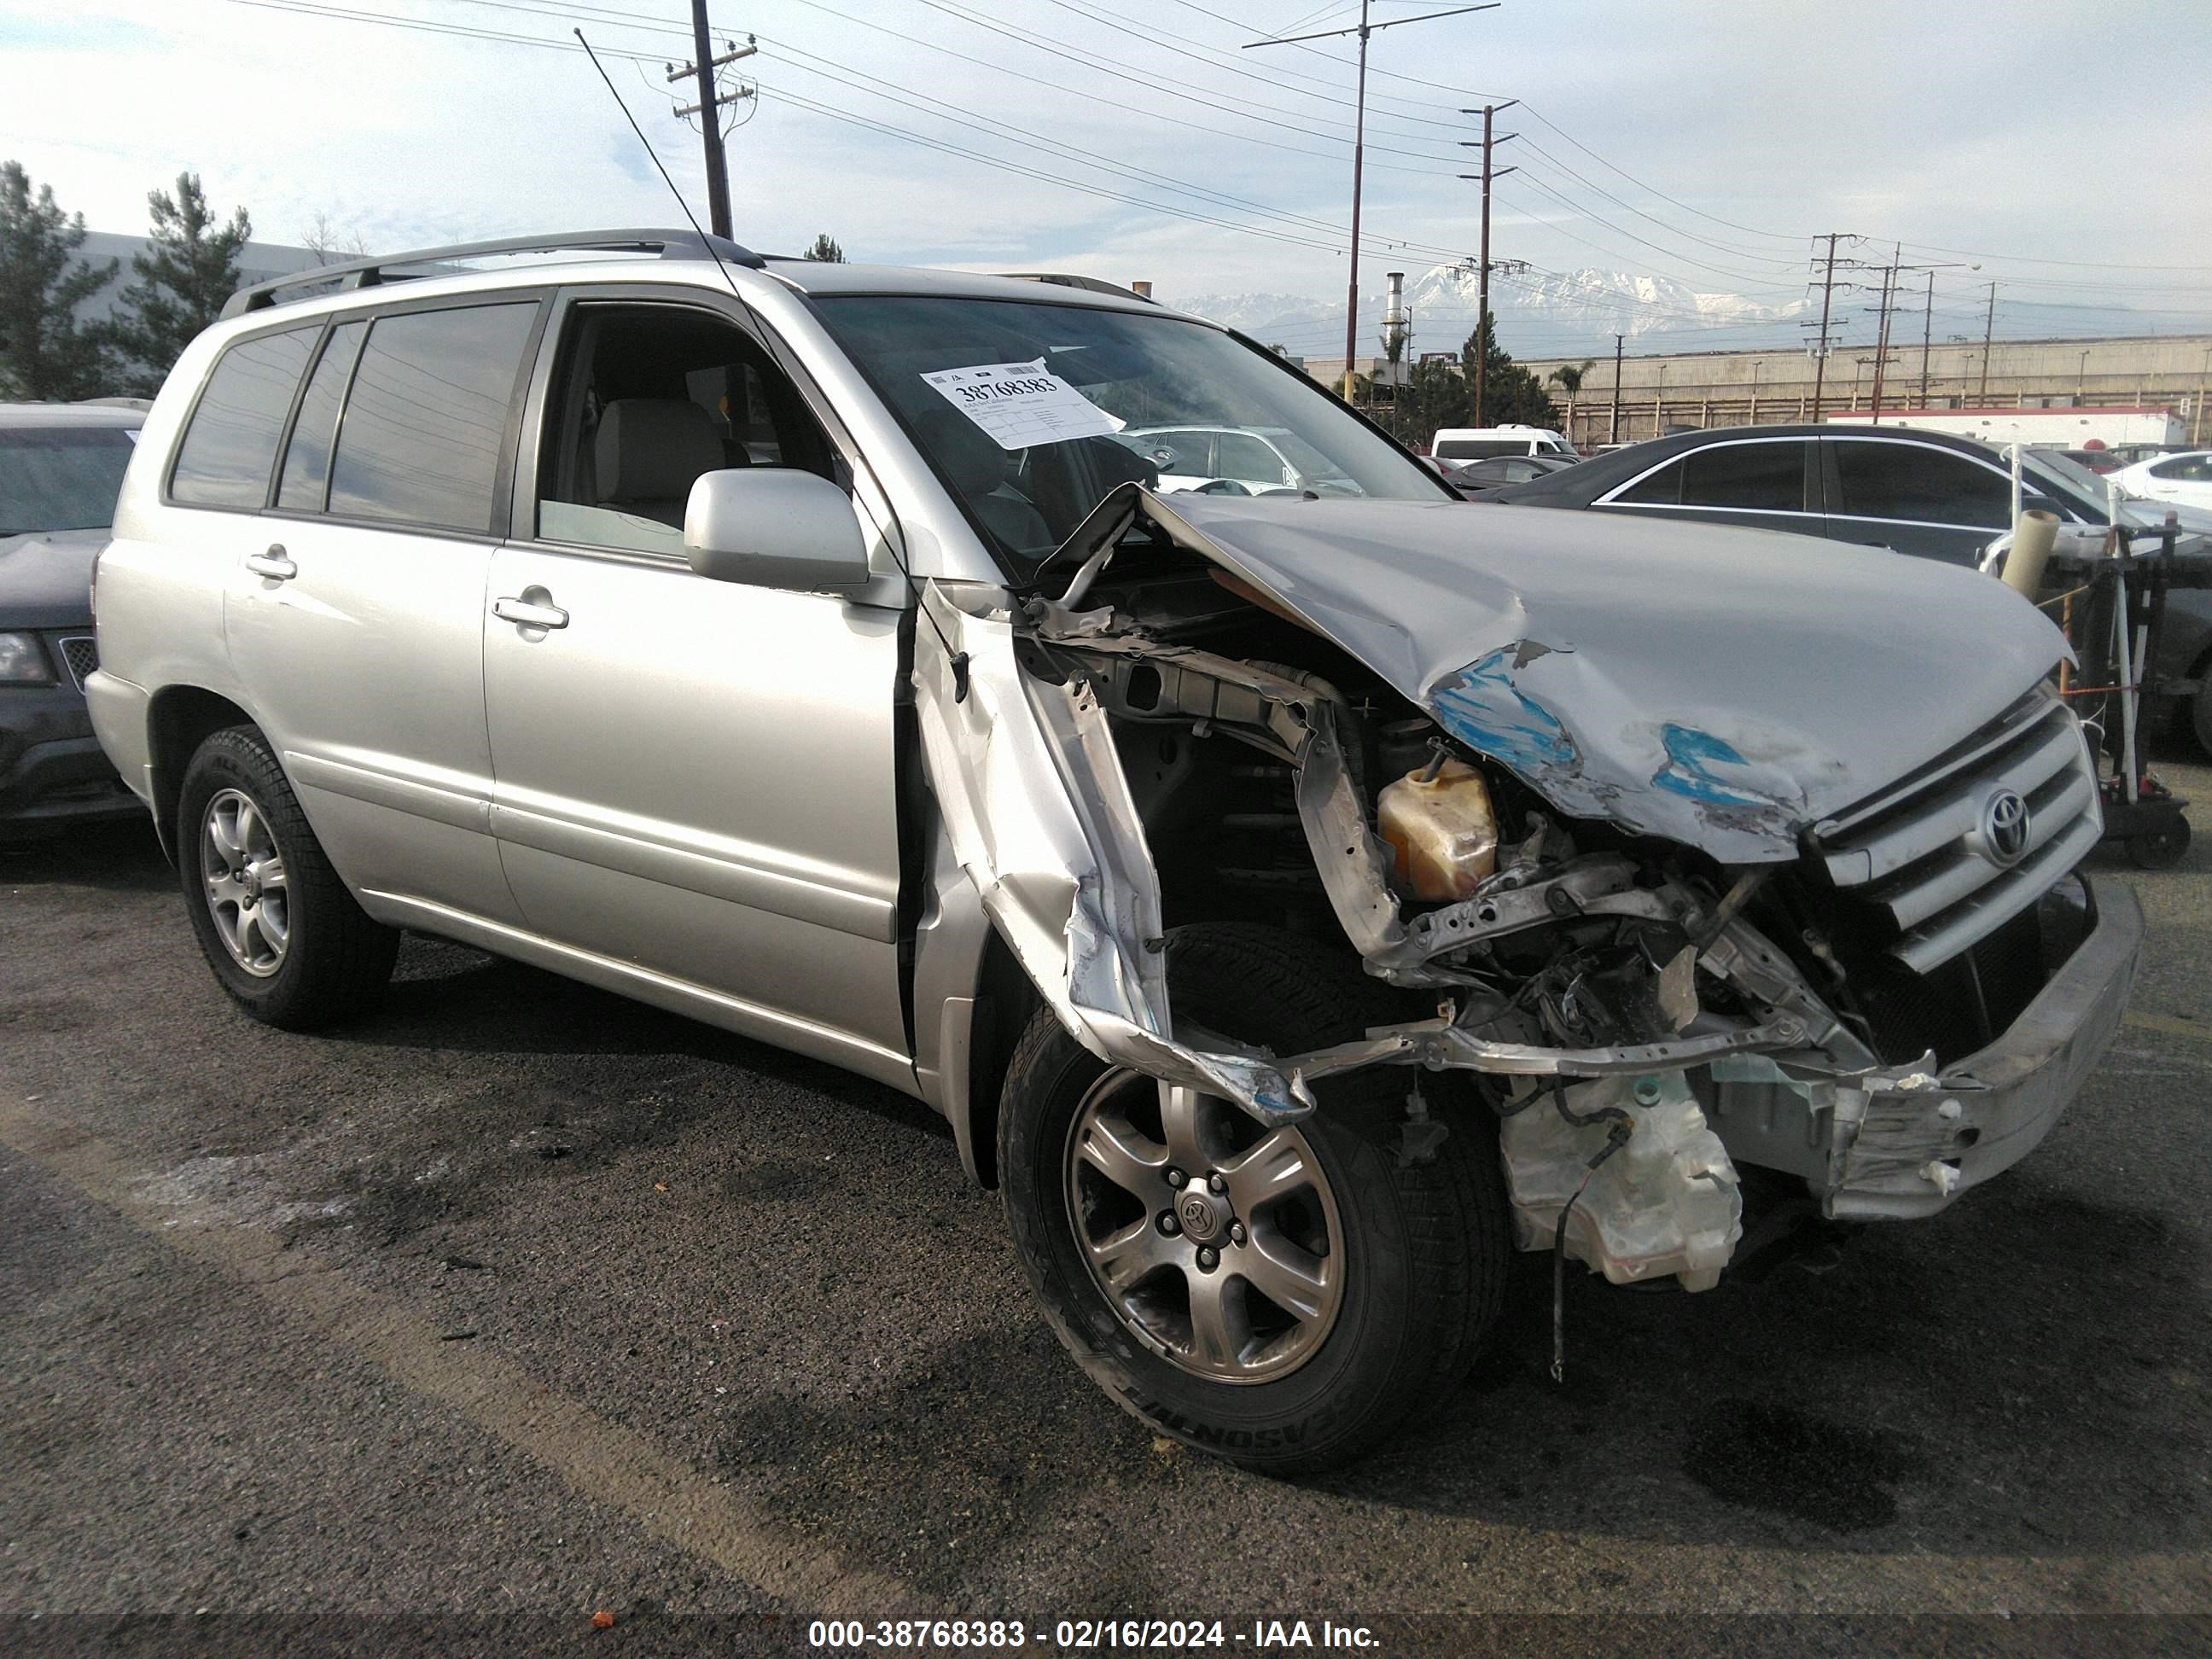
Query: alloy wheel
[[1215, 1240], [244, 875]]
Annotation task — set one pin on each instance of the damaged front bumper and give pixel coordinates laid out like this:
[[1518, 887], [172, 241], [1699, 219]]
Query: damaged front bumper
[[1902, 1143]]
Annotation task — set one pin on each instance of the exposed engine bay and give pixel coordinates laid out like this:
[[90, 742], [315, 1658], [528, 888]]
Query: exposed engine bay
[[1155, 738]]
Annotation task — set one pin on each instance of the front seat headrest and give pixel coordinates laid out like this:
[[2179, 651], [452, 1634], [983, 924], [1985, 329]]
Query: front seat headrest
[[970, 458], [652, 449]]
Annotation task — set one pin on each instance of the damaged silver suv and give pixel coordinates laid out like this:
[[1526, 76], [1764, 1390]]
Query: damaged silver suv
[[1296, 902]]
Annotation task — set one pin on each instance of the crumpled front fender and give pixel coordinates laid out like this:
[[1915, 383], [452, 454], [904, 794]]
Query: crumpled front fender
[[1040, 820]]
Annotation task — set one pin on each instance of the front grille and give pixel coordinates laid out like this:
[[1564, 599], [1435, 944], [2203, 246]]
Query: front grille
[[82, 653], [1913, 853], [1963, 1005]]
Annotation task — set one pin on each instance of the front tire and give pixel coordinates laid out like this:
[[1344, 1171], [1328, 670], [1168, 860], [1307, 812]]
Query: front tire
[[1297, 1294], [280, 930]]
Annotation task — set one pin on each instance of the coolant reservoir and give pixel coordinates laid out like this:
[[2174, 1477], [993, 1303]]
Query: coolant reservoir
[[1666, 1203], [1442, 829]]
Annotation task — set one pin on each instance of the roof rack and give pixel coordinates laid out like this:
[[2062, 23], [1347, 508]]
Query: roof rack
[[1092, 284], [370, 273]]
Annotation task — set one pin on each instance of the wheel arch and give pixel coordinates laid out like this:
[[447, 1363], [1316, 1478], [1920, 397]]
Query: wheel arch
[[178, 719], [1004, 1004]]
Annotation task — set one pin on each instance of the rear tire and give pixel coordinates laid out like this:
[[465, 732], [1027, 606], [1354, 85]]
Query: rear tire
[[281, 931], [1413, 1256]]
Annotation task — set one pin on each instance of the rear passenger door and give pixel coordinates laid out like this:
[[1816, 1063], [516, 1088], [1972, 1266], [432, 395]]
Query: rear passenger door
[[355, 604], [1915, 497], [1769, 484]]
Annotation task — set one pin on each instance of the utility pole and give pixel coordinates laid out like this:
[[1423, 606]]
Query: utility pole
[[1927, 324], [1827, 293], [703, 65], [1358, 145], [1612, 431], [1482, 282], [1881, 337], [2196, 409], [1989, 330], [1928, 317]]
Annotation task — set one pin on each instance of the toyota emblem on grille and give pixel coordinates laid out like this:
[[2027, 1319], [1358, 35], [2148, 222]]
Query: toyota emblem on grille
[[2005, 824]]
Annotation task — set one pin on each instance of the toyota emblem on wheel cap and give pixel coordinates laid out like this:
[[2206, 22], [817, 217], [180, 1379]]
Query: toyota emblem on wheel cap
[[2005, 823]]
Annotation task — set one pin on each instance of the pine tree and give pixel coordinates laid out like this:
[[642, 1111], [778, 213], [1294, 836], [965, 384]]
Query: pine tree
[[826, 251], [1511, 396], [183, 279], [45, 353], [1436, 394]]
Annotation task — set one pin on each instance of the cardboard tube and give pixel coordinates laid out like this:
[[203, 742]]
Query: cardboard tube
[[2032, 542]]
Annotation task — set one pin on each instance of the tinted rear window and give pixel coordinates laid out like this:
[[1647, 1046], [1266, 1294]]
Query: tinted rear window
[[1903, 481], [1766, 477], [61, 477], [425, 423], [230, 447]]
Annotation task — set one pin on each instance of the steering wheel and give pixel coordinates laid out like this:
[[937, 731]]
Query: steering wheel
[[1221, 487]]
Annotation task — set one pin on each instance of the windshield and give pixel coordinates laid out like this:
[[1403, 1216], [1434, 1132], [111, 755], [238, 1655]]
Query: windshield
[[1018, 407], [65, 477], [2048, 466]]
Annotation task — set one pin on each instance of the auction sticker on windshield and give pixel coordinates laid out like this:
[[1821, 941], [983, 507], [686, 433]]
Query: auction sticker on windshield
[[1020, 405]]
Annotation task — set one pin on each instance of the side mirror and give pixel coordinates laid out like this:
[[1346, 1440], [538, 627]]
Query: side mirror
[[774, 527]]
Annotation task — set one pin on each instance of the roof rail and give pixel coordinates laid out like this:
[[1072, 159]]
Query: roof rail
[[370, 273], [1093, 284]]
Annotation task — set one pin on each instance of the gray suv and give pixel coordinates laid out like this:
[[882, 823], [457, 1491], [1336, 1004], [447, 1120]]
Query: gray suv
[[1295, 903]]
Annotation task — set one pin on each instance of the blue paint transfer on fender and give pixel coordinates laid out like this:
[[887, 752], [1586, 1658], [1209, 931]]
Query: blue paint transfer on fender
[[1481, 707], [1691, 759]]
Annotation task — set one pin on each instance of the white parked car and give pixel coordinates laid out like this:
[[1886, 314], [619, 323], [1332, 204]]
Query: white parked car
[[1479, 443], [1231, 460], [2184, 479]]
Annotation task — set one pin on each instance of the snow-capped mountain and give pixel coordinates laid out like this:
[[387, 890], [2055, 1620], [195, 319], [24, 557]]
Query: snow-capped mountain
[[1537, 313], [1576, 313]]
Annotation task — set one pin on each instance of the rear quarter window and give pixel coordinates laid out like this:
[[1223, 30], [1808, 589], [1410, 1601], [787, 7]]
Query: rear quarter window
[[229, 447]]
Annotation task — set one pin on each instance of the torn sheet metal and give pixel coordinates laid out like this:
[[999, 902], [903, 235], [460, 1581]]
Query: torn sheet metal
[[1722, 688], [1040, 818]]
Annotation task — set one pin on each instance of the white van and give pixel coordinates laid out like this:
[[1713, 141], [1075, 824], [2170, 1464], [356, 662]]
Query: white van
[[1479, 443]]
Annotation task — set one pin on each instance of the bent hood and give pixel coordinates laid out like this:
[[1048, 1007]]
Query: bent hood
[[46, 578], [1719, 687]]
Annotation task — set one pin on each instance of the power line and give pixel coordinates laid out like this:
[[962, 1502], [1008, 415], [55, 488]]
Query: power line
[[1058, 48], [314, 8]]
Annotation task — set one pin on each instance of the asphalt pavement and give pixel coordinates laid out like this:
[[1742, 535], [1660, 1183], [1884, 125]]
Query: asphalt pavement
[[518, 1303]]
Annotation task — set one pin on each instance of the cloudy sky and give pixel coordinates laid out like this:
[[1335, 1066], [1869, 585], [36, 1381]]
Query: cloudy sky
[[2064, 147]]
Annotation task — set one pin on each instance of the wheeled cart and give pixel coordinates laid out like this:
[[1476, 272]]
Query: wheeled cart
[[2111, 605]]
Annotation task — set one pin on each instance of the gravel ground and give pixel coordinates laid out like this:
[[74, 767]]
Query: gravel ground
[[518, 1301]]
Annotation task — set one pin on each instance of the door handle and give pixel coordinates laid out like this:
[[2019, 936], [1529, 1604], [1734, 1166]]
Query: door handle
[[273, 564], [527, 612]]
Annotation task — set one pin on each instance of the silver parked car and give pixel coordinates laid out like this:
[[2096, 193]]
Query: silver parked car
[[1295, 903]]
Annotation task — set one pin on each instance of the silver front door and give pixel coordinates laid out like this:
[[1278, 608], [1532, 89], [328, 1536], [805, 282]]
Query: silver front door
[[695, 782]]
